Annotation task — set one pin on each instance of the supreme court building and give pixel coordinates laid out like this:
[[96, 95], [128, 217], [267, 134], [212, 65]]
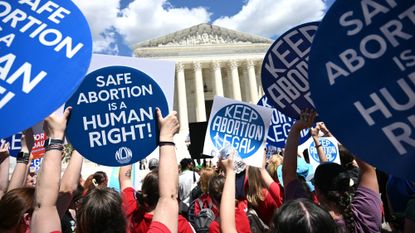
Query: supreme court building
[[210, 60]]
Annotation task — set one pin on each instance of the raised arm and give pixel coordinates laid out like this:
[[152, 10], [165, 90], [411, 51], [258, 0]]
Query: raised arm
[[124, 177], [45, 216], [4, 167], [289, 166], [368, 177], [227, 203], [69, 182], [315, 135], [22, 161], [273, 187], [167, 209]]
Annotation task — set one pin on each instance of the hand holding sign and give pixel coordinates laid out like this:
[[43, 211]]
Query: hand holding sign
[[4, 150], [168, 126], [306, 120], [55, 125]]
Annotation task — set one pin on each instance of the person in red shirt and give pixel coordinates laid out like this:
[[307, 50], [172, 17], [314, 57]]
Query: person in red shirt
[[139, 206], [263, 193], [216, 191]]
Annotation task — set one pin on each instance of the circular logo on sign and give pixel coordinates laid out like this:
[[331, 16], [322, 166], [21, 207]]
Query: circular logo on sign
[[114, 110], [240, 126], [45, 50], [280, 126], [362, 72], [329, 149], [284, 70], [123, 155]]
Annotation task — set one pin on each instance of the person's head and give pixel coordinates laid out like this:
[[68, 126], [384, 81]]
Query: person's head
[[97, 180], [31, 179], [274, 161], [216, 188], [101, 211], [153, 164], [346, 157], [149, 195], [302, 215], [186, 164], [255, 187], [206, 175], [334, 189], [16, 208]]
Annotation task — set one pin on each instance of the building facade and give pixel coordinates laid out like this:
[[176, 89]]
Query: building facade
[[210, 60]]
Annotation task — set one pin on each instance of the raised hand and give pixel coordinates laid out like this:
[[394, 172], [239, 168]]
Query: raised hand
[[306, 119], [168, 125], [55, 126]]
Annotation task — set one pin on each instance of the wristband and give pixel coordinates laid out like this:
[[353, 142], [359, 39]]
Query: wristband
[[22, 157], [54, 147], [162, 143], [318, 146]]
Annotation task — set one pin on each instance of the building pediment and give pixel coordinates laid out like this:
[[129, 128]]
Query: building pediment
[[203, 34]]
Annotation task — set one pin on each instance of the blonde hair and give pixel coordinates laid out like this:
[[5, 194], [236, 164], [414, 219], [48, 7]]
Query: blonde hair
[[205, 175], [274, 161], [256, 185]]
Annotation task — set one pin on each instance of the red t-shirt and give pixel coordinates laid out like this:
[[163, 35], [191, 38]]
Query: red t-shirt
[[158, 227], [241, 221], [206, 200], [138, 221], [272, 201]]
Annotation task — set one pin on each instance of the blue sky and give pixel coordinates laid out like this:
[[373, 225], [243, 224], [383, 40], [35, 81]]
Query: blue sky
[[117, 25]]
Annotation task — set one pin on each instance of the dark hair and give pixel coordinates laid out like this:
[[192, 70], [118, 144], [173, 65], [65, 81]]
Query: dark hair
[[333, 181], [98, 179], [302, 215], [216, 188], [14, 204], [184, 163], [101, 212], [149, 196], [346, 157]]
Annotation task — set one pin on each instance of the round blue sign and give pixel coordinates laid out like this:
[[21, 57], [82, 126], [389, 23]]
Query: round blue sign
[[329, 148], [284, 70], [113, 121], [280, 126], [362, 68], [45, 50], [239, 126]]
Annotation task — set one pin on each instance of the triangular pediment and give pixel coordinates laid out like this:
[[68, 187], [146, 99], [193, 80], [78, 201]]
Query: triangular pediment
[[204, 34]]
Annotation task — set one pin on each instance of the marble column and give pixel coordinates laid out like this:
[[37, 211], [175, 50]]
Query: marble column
[[253, 89], [235, 85], [217, 78], [199, 93], [181, 93]]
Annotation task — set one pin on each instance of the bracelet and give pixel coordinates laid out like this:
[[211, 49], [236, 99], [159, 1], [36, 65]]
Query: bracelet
[[163, 143], [54, 147], [318, 146], [22, 157]]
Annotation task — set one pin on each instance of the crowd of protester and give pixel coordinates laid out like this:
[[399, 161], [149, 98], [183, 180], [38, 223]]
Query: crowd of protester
[[284, 195]]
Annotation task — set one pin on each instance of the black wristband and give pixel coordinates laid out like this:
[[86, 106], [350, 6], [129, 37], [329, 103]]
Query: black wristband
[[54, 147], [22, 157], [164, 143]]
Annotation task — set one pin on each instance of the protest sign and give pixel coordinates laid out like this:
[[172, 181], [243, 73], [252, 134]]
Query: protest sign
[[35, 165], [362, 72], [14, 142], [284, 70], [113, 120], [241, 125], [330, 148], [280, 126], [45, 50]]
